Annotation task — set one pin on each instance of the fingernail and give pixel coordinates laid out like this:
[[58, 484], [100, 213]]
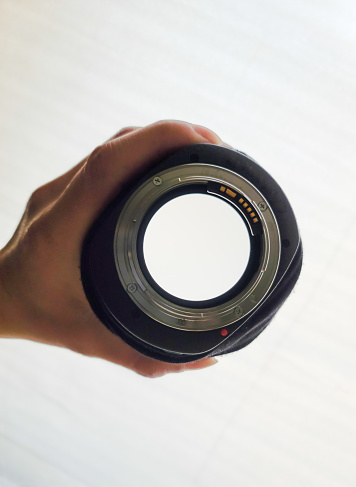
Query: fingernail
[[211, 361], [202, 364], [227, 145], [207, 134]]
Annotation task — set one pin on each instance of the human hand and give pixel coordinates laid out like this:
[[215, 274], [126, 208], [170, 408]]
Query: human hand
[[41, 295]]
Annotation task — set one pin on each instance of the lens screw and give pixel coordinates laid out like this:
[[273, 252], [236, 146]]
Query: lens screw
[[239, 311], [157, 181], [262, 206], [132, 288]]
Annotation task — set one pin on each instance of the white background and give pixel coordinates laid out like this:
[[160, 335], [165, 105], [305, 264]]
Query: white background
[[275, 79]]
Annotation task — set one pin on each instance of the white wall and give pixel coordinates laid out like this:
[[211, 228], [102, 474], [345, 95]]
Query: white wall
[[273, 78]]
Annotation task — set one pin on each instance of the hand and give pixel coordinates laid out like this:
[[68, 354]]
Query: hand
[[41, 295]]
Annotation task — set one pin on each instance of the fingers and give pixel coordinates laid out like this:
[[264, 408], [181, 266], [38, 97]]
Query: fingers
[[97, 341], [153, 368], [49, 192], [112, 164], [61, 182], [124, 131], [208, 134]]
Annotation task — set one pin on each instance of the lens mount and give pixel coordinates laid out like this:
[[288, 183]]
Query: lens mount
[[264, 236], [128, 300]]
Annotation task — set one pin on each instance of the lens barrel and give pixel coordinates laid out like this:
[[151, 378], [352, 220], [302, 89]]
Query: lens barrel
[[132, 305]]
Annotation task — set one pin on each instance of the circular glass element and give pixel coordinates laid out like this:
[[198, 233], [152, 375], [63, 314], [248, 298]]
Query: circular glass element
[[196, 247]]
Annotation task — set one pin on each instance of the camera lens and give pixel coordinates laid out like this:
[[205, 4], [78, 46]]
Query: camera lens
[[190, 259]]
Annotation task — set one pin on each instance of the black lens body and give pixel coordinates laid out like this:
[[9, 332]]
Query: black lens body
[[112, 301]]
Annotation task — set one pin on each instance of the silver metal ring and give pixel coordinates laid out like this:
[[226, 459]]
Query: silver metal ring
[[133, 278]]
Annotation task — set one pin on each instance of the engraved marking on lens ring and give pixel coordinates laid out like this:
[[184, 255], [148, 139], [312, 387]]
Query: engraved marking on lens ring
[[147, 298], [239, 311]]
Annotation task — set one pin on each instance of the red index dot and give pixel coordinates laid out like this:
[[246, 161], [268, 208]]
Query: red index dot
[[223, 332]]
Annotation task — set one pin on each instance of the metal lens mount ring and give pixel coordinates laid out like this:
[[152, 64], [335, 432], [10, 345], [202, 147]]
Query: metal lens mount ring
[[132, 305], [253, 208]]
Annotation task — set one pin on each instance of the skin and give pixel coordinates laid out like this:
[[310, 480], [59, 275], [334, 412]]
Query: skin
[[41, 294]]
